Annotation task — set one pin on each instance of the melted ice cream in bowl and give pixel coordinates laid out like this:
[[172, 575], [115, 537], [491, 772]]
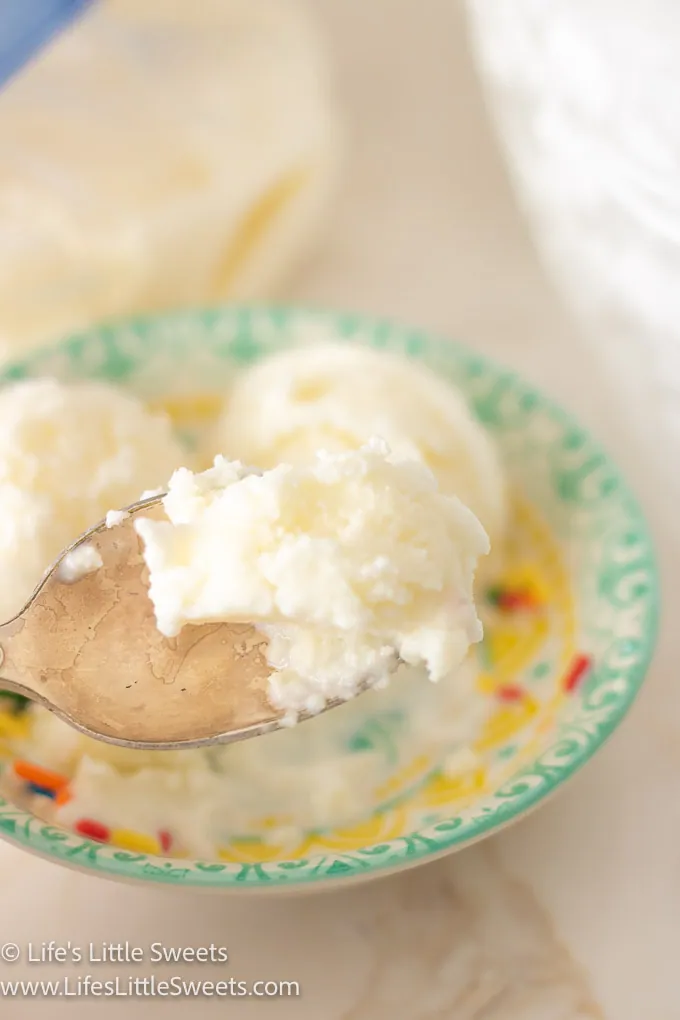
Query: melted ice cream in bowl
[[339, 442]]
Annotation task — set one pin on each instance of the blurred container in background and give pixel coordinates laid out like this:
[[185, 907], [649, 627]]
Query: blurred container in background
[[586, 97], [160, 154]]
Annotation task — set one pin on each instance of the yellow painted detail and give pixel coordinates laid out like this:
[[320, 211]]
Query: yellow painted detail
[[13, 727], [138, 842]]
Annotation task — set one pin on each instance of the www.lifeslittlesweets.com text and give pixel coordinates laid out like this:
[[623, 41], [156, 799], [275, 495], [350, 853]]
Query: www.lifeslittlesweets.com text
[[87, 986]]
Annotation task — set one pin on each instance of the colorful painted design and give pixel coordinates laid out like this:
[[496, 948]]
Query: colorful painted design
[[564, 653]]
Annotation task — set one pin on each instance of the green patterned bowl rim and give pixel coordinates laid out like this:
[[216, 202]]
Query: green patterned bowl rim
[[524, 790]]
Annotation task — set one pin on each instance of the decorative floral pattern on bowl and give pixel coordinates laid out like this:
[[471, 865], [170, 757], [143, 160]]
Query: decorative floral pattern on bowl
[[569, 626]]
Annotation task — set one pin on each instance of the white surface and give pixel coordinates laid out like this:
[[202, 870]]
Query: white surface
[[571, 915]]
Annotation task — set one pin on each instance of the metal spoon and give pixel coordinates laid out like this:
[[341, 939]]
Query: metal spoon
[[89, 650]]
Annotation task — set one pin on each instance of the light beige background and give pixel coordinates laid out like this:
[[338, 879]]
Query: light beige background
[[573, 913]]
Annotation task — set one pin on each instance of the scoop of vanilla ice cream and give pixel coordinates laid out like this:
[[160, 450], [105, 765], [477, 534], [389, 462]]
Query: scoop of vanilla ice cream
[[69, 454], [348, 565], [336, 396]]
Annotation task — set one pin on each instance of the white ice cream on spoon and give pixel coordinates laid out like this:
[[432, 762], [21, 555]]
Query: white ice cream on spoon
[[347, 564]]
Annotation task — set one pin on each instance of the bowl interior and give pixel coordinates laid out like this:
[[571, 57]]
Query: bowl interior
[[570, 624]]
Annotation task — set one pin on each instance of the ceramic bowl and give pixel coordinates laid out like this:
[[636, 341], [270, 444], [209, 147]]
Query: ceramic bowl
[[561, 669]]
